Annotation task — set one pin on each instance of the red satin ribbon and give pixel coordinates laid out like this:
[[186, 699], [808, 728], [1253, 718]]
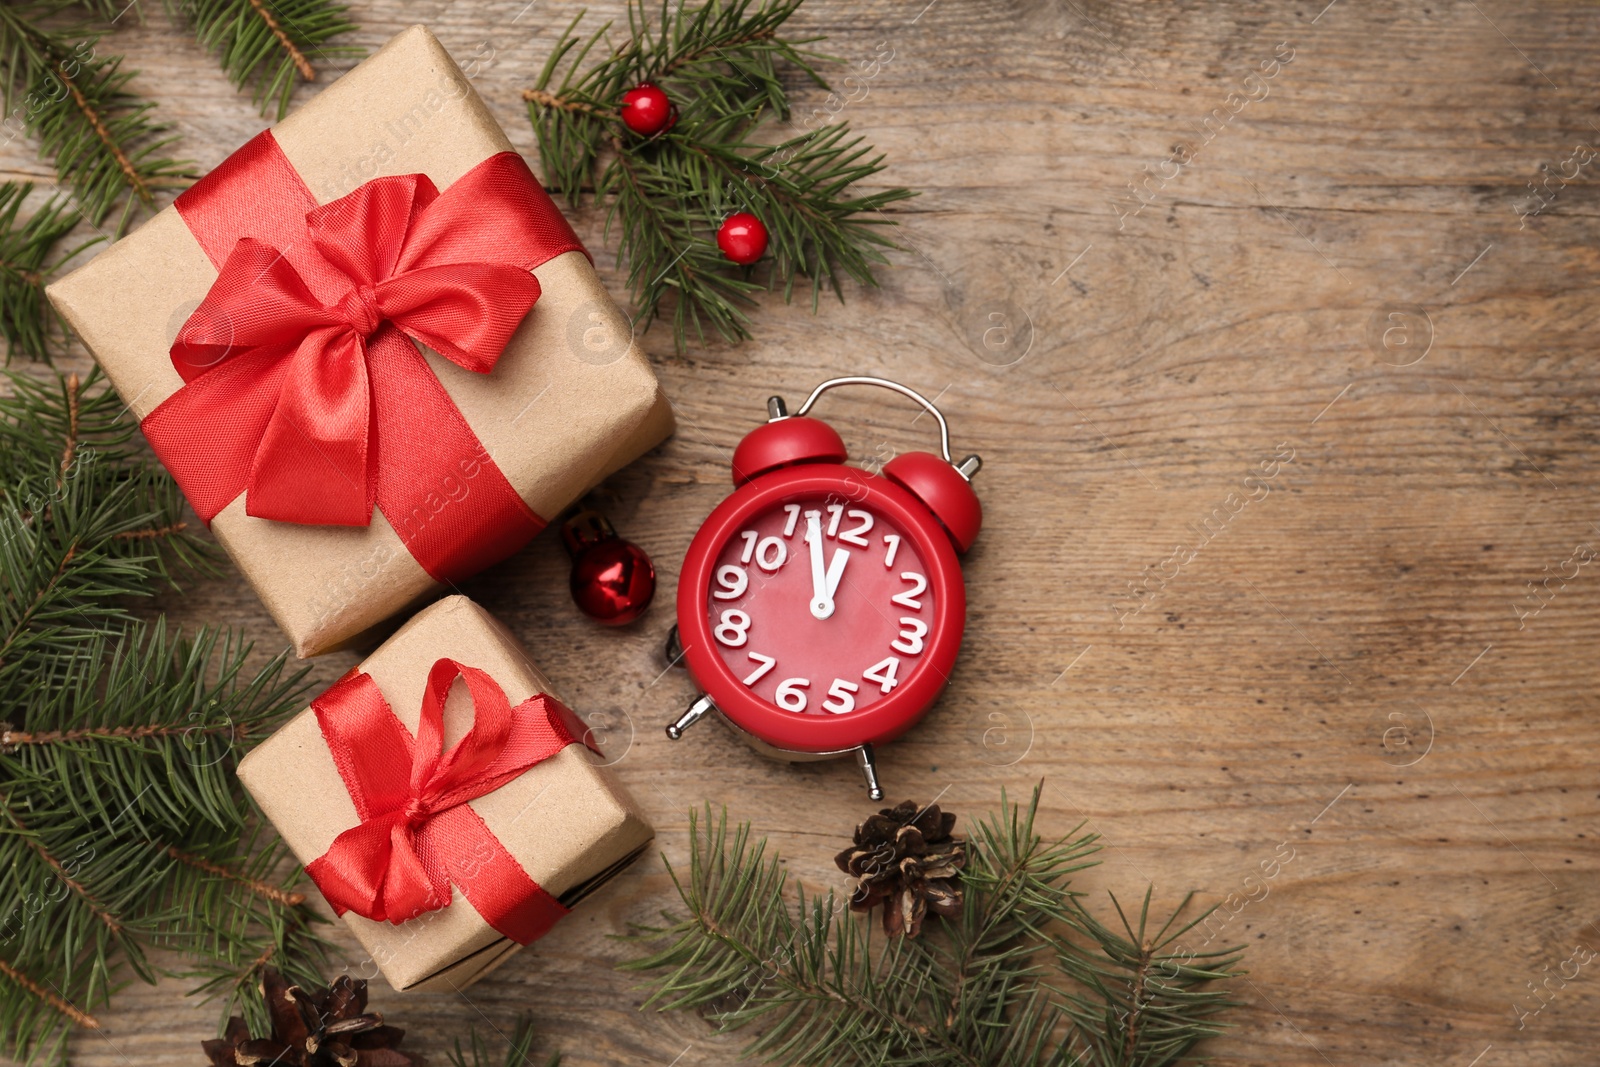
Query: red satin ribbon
[[417, 836], [301, 388]]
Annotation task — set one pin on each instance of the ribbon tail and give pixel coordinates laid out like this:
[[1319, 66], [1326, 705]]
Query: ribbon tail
[[447, 499], [314, 464], [413, 885], [491, 879]]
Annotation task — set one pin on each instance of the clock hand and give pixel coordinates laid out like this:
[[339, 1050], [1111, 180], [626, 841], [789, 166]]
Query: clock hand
[[821, 595], [836, 571]]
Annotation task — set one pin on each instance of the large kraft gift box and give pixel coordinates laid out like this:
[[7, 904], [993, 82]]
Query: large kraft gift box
[[566, 821], [570, 400]]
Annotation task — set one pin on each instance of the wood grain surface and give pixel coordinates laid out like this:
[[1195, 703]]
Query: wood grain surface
[[1339, 662]]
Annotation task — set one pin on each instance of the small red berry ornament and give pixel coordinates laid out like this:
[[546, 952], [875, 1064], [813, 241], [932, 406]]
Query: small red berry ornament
[[647, 110], [613, 581], [742, 238]]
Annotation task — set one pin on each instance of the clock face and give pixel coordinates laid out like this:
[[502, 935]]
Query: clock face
[[820, 605]]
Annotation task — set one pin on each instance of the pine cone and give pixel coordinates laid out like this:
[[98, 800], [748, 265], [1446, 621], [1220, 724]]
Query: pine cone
[[327, 1028], [905, 859]]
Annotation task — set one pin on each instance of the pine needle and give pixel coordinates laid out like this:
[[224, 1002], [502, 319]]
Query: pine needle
[[723, 64]]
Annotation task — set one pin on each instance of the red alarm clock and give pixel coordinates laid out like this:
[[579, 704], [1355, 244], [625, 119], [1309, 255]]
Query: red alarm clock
[[820, 607]]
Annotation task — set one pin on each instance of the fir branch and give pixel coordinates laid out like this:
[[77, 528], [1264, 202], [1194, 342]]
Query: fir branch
[[28, 322], [122, 826], [519, 1052], [69, 444], [59, 869], [144, 840], [153, 783], [297, 57], [265, 44], [254, 885], [107, 145], [102, 138], [1023, 976], [27, 49], [251, 974], [66, 573], [798, 181], [723, 64], [539, 96], [59, 1003], [230, 971], [62, 923], [97, 122], [35, 1017], [1138, 999], [667, 251], [172, 529], [723, 47], [715, 49], [10, 739], [29, 611]]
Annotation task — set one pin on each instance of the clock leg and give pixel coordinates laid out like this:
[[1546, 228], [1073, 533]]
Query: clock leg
[[869, 770], [674, 647], [690, 717]]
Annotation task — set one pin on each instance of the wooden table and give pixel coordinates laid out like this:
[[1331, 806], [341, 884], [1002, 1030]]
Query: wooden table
[[1340, 661]]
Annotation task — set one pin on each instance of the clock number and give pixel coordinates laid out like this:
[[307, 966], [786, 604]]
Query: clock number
[[750, 538], [794, 517], [841, 697], [734, 630], [910, 641], [883, 673], [857, 536], [893, 541], [834, 511], [767, 663], [771, 554], [733, 581], [791, 694], [908, 599]]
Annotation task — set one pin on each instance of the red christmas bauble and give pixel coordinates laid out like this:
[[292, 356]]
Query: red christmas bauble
[[613, 581], [647, 111], [742, 238]]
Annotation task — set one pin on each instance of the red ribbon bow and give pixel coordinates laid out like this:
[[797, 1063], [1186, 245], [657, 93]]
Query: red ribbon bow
[[301, 388], [417, 836]]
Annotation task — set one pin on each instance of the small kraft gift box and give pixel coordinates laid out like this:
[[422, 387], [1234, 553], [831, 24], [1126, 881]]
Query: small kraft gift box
[[446, 804], [369, 348]]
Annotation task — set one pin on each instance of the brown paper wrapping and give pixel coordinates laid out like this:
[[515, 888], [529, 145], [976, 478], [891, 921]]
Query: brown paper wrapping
[[568, 821], [571, 400]]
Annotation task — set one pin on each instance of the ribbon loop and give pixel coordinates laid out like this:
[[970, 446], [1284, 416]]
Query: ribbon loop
[[361, 235], [417, 837]]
